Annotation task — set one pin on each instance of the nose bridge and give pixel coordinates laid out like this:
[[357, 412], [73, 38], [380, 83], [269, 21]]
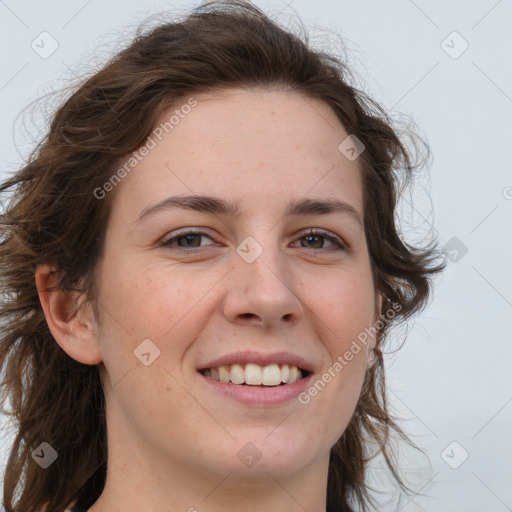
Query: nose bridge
[[263, 280], [262, 260]]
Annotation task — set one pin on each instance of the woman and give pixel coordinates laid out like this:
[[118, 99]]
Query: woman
[[200, 264]]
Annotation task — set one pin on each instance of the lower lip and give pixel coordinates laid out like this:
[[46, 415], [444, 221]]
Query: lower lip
[[255, 395]]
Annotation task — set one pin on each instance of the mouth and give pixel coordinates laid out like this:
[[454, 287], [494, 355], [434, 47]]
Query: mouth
[[253, 374], [257, 379]]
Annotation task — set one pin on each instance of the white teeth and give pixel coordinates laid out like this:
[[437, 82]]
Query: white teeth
[[271, 375], [255, 375], [237, 374], [223, 374], [285, 373]]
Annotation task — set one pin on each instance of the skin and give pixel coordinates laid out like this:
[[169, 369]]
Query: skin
[[173, 442]]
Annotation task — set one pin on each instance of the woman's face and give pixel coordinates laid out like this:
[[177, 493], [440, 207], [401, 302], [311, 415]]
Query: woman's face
[[252, 290]]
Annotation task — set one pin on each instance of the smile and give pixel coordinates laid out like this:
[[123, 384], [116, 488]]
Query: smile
[[252, 374]]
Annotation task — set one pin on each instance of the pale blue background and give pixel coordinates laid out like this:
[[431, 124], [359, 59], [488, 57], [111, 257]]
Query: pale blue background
[[452, 380]]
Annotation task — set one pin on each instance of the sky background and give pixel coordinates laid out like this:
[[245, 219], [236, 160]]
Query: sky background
[[446, 64]]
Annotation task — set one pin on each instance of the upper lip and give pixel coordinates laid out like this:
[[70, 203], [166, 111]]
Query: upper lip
[[259, 358]]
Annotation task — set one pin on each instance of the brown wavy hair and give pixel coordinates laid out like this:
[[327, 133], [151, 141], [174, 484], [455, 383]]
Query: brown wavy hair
[[54, 217]]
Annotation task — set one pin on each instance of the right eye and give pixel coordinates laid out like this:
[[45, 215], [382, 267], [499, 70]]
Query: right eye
[[184, 240]]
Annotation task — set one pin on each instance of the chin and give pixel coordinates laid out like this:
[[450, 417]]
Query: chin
[[280, 454]]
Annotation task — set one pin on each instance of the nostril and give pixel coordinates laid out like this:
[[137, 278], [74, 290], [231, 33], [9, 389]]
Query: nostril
[[248, 315]]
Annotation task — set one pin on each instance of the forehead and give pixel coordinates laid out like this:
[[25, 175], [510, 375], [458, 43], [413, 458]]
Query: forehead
[[245, 144]]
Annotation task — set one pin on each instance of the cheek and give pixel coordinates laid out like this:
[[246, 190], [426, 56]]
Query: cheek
[[156, 303], [346, 308], [146, 301], [345, 314], [352, 323]]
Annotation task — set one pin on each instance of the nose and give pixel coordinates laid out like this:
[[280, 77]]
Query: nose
[[263, 293]]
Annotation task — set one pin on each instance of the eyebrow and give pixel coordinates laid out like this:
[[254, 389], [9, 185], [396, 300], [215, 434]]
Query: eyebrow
[[219, 206]]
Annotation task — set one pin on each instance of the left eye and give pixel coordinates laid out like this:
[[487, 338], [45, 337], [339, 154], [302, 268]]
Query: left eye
[[315, 238]]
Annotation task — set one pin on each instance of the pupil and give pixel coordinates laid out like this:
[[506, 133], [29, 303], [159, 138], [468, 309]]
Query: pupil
[[310, 237], [189, 239]]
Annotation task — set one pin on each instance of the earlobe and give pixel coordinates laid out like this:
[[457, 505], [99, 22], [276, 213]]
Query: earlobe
[[71, 323]]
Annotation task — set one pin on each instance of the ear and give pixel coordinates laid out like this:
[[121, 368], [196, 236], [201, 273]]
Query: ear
[[72, 324]]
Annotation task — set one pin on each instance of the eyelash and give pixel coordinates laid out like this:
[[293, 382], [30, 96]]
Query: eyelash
[[339, 245]]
